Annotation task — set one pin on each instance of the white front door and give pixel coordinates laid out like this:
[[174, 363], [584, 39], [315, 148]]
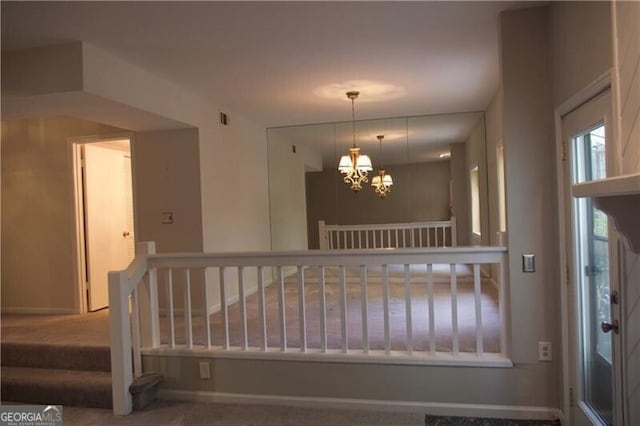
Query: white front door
[[108, 215], [593, 294]]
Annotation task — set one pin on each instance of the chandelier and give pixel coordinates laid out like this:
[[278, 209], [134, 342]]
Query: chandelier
[[355, 167], [382, 182]]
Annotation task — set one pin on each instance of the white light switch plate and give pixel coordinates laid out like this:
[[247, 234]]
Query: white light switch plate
[[166, 218], [528, 263]]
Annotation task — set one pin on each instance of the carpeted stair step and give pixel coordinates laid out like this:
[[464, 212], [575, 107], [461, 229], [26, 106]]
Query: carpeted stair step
[[55, 386], [55, 356]]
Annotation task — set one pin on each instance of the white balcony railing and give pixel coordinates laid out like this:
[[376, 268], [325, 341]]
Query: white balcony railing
[[388, 235], [418, 306]]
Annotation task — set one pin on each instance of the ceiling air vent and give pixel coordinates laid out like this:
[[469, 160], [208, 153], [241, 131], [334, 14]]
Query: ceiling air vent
[[224, 120]]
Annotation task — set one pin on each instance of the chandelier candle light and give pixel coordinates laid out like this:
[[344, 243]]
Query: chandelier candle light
[[355, 167], [382, 183]]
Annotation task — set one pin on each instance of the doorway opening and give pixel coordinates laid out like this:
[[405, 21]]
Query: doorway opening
[[104, 215]]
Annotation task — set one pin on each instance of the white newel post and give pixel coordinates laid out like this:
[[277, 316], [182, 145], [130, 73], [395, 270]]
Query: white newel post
[[148, 300], [120, 328], [322, 236]]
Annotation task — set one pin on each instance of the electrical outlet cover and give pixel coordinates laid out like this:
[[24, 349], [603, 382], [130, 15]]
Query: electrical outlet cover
[[205, 370], [544, 351]]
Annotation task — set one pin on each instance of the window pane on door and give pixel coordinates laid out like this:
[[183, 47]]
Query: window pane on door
[[589, 163]]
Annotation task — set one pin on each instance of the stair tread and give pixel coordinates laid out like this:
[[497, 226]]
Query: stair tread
[[56, 356], [56, 386], [46, 374]]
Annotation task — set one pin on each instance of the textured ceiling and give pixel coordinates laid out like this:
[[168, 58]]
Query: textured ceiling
[[284, 63]]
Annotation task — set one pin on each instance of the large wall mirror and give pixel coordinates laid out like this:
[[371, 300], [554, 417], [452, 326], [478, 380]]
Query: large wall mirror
[[437, 162]]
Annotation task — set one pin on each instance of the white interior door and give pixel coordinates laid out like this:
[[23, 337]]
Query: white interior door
[[108, 218], [586, 132]]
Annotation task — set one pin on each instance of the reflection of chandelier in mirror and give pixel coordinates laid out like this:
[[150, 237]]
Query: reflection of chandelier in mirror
[[382, 183], [354, 167]]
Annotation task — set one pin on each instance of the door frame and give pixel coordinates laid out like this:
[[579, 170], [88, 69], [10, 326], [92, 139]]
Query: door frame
[[566, 276], [79, 262]]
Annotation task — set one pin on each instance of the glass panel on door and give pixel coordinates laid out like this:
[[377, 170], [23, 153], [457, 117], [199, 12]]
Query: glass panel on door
[[592, 246]]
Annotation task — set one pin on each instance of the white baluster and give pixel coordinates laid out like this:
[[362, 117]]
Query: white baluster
[[224, 310], [385, 307], [243, 308], [302, 311], [172, 326], [343, 308], [454, 308], [188, 326], [432, 314], [205, 310], [502, 307], [477, 284], [261, 309], [407, 296], [323, 311], [282, 309], [365, 313]]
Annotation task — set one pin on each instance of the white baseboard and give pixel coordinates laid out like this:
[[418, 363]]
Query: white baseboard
[[39, 311], [516, 412]]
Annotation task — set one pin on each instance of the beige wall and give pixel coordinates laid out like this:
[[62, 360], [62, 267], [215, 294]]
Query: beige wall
[[626, 38], [235, 188], [420, 192], [524, 386], [228, 166], [460, 197], [528, 131], [287, 192], [42, 70], [38, 234], [167, 179], [494, 141], [581, 45], [477, 157]]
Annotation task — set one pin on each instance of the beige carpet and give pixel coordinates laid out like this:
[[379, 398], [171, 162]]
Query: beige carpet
[[187, 414]]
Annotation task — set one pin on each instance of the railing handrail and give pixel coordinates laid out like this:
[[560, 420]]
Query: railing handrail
[[402, 225], [349, 257], [139, 282]]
